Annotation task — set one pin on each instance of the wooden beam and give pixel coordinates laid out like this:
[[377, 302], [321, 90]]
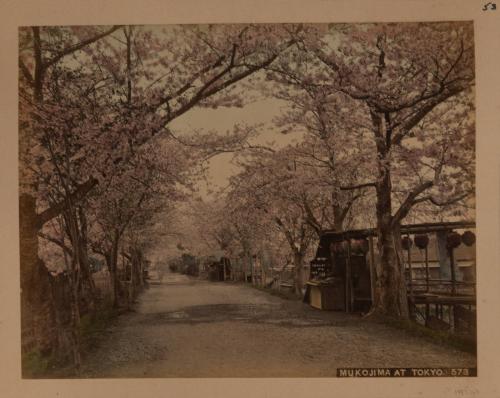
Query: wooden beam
[[405, 229]]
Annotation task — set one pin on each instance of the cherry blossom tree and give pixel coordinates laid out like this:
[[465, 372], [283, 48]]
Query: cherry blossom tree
[[128, 202], [403, 77], [131, 82], [272, 186], [335, 139], [38, 54]]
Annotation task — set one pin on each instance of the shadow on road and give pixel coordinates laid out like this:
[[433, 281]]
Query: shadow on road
[[249, 313]]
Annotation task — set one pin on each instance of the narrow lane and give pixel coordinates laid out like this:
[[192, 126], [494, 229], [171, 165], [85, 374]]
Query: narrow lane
[[189, 328]]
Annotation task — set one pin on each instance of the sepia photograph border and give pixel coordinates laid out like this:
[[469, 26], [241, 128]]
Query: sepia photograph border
[[109, 12]]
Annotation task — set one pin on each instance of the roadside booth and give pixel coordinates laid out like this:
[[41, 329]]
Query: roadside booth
[[220, 270], [340, 277], [439, 264]]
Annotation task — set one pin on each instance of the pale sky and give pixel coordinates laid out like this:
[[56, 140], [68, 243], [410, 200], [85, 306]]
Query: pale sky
[[222, 119]]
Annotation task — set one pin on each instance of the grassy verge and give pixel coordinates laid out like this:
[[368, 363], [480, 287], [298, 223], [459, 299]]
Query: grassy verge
[[94, 326], [412, 328], [284, 294], [92, 329], [444, 338], [35, 364]]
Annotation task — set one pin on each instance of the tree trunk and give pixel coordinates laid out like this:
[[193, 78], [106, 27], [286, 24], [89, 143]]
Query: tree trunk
[[298, 262], [38, 311], [75, 281], [142, 282], [138, 270], [84, 256], [75, 313], [390, 296], [112, 263], [133, 277], [338, 217], [62, 303], [76, 228]]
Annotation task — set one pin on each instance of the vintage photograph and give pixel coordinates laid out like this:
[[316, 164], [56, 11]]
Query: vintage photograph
[[248, 200]]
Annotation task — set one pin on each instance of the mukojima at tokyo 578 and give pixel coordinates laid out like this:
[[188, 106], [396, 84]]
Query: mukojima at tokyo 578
[[248, 200]]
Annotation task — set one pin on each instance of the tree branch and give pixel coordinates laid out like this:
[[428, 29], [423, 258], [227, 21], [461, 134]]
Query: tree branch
[[79, 46], [424, 111], [57, 242], [26, 72], [410, 200], [448, 202], [311, 219], [358, 186], [57, 208], [348, 206]]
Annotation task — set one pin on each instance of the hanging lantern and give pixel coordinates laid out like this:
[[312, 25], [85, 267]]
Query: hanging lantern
[[338, 247], [468, 238], [406, 243], [360, 246], [421, 241], [453, 240]]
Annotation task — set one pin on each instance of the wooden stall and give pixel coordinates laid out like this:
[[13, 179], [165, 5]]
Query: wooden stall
[[220, 270], [439, 264], [341, 272]]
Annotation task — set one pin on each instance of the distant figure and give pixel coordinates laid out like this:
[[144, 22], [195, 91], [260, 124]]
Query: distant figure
[[160, 275]]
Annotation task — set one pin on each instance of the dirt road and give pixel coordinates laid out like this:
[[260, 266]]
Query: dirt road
[[190, 328]]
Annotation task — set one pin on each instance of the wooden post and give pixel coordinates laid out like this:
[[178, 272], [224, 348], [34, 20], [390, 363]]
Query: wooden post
[[427, 269], [373, 274], [409, 266], [263, 276], [132, 279], [453, 277], [252, 270], [348, 306], [444, 258], [451, 317]]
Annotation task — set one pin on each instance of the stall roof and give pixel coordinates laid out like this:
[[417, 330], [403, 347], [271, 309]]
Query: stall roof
[[329, 236], [405, 229]]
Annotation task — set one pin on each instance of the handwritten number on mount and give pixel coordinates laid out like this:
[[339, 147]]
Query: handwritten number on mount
[[490, 7]]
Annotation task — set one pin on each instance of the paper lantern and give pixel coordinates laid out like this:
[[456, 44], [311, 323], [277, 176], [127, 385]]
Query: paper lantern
[[360, 246], [406, 243], [453, 240], [338, 247], [468, 238], [421, 241]]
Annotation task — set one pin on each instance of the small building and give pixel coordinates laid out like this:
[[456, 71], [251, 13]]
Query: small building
[[439, 262], [220, 270]]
